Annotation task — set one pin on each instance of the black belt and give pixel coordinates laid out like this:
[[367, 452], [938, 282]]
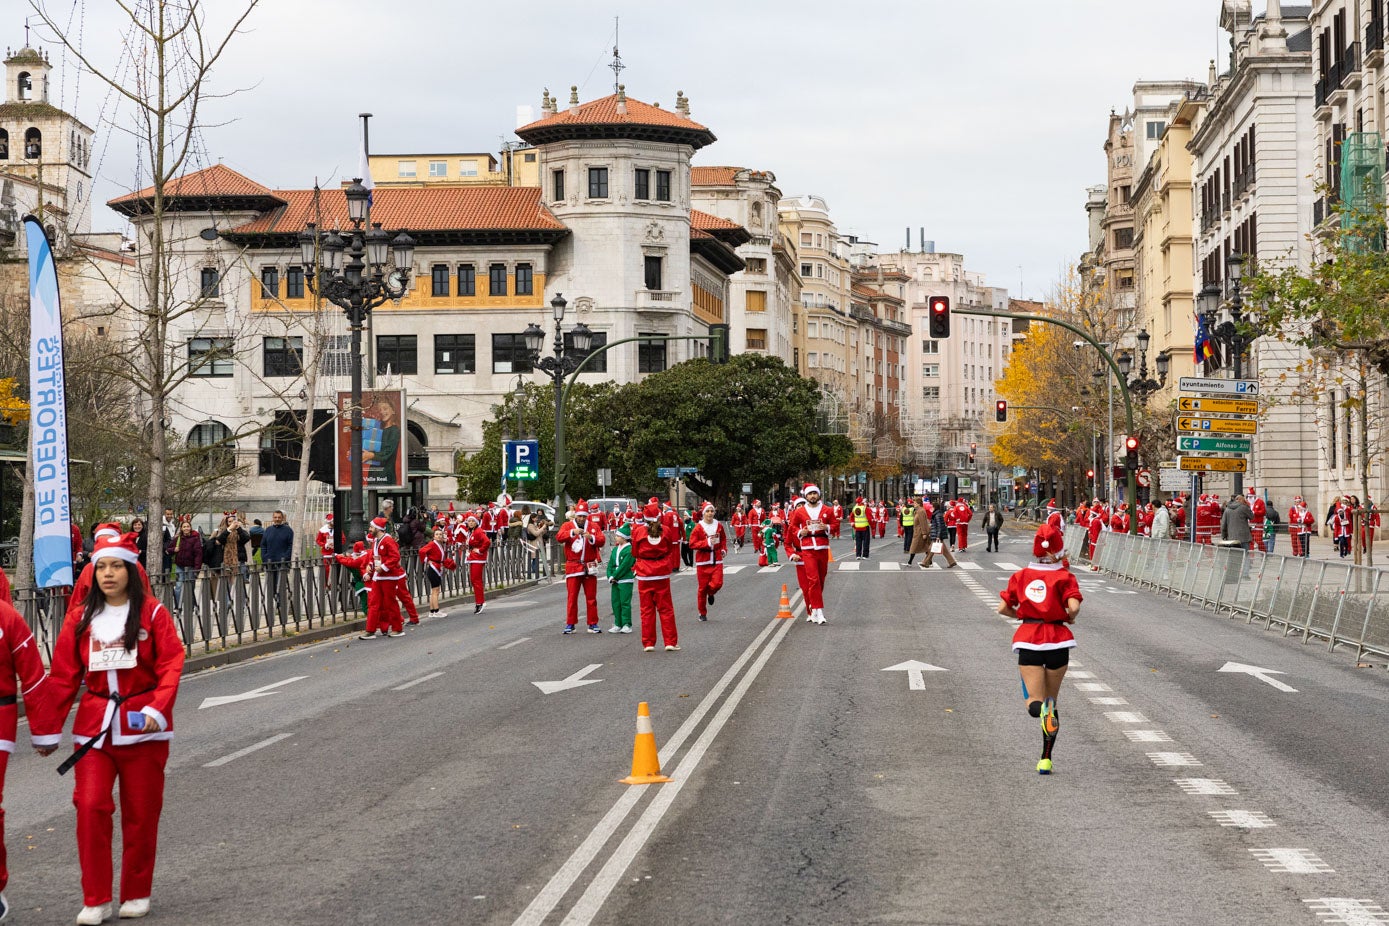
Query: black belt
[[115, 719], [7, 700], [1033, 620]]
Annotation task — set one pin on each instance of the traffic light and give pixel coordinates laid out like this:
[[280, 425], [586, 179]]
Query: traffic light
[[1090, 476], [1131, 451], [1001, 410], [940, 316], [718, 343]]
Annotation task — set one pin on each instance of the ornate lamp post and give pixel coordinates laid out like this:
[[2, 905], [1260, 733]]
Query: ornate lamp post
[[1142, 387], [557, 368], [357, 287]]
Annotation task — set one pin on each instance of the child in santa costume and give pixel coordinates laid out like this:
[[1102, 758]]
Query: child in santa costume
[[357, 563], [478, 545], [808, 543], [1045, 596], [387, 575], [709, 544], [621, 576], [120, 642], [434, 556], [582, 554], [652, 543], [324, 541]]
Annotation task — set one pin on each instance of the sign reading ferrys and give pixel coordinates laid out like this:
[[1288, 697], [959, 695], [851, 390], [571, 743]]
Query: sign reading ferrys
[[383, 439], [1188, 403]]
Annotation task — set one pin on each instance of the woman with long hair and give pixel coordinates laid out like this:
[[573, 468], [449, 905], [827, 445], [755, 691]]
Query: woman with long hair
[[433, 554], [121, 643]]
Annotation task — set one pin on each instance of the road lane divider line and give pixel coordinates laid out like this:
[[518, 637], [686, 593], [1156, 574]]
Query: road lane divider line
[[514, 643], [559, 884], [418, 681], [247, 751], [622, 857]]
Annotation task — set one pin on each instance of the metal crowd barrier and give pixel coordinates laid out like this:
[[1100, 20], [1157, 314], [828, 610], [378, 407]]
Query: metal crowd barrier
[[1339, 603], [216, 609]]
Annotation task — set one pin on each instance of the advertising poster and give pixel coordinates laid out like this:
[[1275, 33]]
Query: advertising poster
[[383, 439]]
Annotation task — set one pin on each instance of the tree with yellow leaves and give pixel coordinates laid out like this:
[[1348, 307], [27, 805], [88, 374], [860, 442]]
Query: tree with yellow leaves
[[13, 409]]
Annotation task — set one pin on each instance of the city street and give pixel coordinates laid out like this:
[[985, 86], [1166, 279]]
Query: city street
[[428, 780]]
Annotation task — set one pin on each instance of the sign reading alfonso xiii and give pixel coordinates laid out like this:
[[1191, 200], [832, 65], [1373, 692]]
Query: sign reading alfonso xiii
[[383, 439]]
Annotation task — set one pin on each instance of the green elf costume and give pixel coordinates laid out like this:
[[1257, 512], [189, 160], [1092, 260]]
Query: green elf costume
[[621, 565], [770, 537]]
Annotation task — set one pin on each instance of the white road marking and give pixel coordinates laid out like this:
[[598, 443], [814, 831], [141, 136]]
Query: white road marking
[[1012, 566], [1292, 861], [514, 643], [261, 692], [563, 879], [1092, 686], [1203, 786], [1081, 675], [913, 668], [1172, 759], [1248, 819], [1126, 717], [968, 564], [1147, 736], [729, 570], [770, 568], [1109, 702], [1263, 675], [1077, 664], [849, 566], [1348, 910], [247, 751], [418, 681], [576, 680], [889, 566]]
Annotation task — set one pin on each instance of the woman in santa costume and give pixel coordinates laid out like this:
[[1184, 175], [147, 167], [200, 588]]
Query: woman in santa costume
[[434, 556], [739, 526], [121, 643], [1300, 523], [756, 516], [383, 602], [709, 544], [478, 546], [581, 560], [652, 543], [808, 543], [324, 540], [1045, 596]]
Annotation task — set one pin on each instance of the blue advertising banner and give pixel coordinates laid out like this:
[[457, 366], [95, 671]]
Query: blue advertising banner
[[48, 416]]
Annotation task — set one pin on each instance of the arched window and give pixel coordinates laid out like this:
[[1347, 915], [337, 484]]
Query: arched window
[[216, 438], [4, 145], [417, 446], [33, 144], [26, 86]]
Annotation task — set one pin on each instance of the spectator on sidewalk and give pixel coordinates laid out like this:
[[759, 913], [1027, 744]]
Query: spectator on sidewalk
[[186, 552], [993, 523], [257, 532], [276, 550], [1162, 522], [137, 527], [1235, 522]]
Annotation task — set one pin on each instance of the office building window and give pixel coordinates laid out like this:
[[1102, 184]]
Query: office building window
[[455, 353], [525, 285], [294, 283], [598, 364], [211, 283], [467, 168], [496, 280], [757, 339], [509, 354], [467, 280], [651, 356], [397, 353], [438, 168], [282, 356], [439, 280], [557, 182], [642, 185], [930, 369], [662, 186], [405, 168], [597, 183], [209, 356], [653, 272], [755, 300]]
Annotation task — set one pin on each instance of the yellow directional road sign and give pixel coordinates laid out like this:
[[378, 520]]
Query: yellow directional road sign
[[1217, 425], [1213, 464], [1188, 403]]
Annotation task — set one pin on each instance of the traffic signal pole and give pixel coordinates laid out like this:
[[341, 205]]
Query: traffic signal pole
[[1108, 359]]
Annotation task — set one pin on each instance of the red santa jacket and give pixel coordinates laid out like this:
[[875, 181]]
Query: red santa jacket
[[385, 555], [1300, 519], [21, 673], [577, 560], [809, 527], [432, 555], [478, 545], [360, 562], [653, 554], [1056, 519], [709, 549], [151, 686], [324, 540], [1038, 593]]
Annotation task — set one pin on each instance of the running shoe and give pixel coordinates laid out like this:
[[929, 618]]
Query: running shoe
[[704, 617], [367, 636], [1044, 767], [568, 628], [1050, 722], [614, 629], [672, 647], [649, 649], [594, 628], [396, 633], [627, 629]]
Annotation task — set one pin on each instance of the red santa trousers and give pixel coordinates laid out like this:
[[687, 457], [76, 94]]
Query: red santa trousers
[[962, 535], [383, 606], [475, 580], [815, 565], [589, 585], [709, 580], [403, 596], [757, 538], [654, 596], [140, 769]]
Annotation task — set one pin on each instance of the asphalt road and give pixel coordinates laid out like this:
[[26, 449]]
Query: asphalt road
[[428, 780]]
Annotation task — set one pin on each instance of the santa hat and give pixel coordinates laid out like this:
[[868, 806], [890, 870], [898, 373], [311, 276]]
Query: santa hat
[[328, 517], [810, 487], [1048, 541], [581, 509], [119, 546], [108, 530], [491, 504], [1297, 499], [450, 506], [503, 499], [379, 523], [707, 506], [652, 511], [858, 501], [1051, 503], [358, 547], [626, 531]]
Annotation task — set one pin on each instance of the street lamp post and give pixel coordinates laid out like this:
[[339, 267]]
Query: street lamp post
[[557, 368], [1142, 387], [518, 396], [1233, 332], [356, 287]]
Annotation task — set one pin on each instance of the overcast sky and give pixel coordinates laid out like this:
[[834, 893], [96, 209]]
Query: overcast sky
[[981, 120]]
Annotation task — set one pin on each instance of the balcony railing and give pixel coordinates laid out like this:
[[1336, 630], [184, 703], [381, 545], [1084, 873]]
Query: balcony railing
[[1319, 211], [1374, 35]]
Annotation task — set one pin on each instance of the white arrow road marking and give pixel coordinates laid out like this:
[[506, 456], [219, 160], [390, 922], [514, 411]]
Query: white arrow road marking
[[574, 681], [247, 751], [915, 680], [1261, 674], [260, 692]]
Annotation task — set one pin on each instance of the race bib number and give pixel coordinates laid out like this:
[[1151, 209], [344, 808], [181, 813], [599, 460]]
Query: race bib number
[[1036, 591], [110, 656]]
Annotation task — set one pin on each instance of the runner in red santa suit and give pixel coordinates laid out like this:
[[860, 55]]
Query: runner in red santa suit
[[1301, 523], [83, 583], [1099, 523], [963, 515], [1045, 596], [739, 525], [326, 546], [582, 559], [808, 542], [120, 642], [433, 554], [652, 543], [383, 601], [710, 546], [838, 510], [1054, 516], [755, 519], [670, 520], [1258, 510], [478, 544]]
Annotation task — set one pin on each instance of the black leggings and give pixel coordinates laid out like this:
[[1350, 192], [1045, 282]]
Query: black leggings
[[1046, 658]]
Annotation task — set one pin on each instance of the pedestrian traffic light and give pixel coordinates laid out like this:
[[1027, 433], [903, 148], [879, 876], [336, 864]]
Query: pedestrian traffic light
[[1131, 451], [940, 316], [718, 343], [1001, 410]]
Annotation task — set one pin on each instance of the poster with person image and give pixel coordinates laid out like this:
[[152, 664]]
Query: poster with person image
[[382, 461]]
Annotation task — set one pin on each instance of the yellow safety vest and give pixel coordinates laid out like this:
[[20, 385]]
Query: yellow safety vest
[[908, 517], [860, 518]]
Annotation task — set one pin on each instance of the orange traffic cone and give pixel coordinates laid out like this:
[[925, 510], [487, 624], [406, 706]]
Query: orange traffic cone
[[646, 764], [784, 608]]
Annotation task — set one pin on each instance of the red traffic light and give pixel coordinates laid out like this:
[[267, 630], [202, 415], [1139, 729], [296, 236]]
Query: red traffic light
[[1001, 410], [939, 320], [1131, 444]]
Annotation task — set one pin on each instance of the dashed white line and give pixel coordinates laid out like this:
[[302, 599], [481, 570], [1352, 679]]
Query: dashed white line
[[1125, 717], [1172, 759], [514, 643], [418, 681], [729, 570], [1147, 736], [1348, 910], [247, 751], [1247, 819], [1081, 675], [849, 566], [1109, 702], [892, 566], [1202, 786], [1092, 686], [1292, 861]]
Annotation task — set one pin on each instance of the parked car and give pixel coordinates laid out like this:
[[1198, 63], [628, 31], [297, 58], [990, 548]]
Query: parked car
[[610, 505]]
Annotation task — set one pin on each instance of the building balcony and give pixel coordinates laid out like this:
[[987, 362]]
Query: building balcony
[[1350, 67], [1374, 42], [657, 300]]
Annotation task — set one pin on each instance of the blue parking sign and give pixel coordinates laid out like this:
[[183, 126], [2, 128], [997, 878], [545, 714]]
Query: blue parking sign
[[521, 459]]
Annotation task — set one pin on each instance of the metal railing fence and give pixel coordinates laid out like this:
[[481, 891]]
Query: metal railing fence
[[1339, 603]]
